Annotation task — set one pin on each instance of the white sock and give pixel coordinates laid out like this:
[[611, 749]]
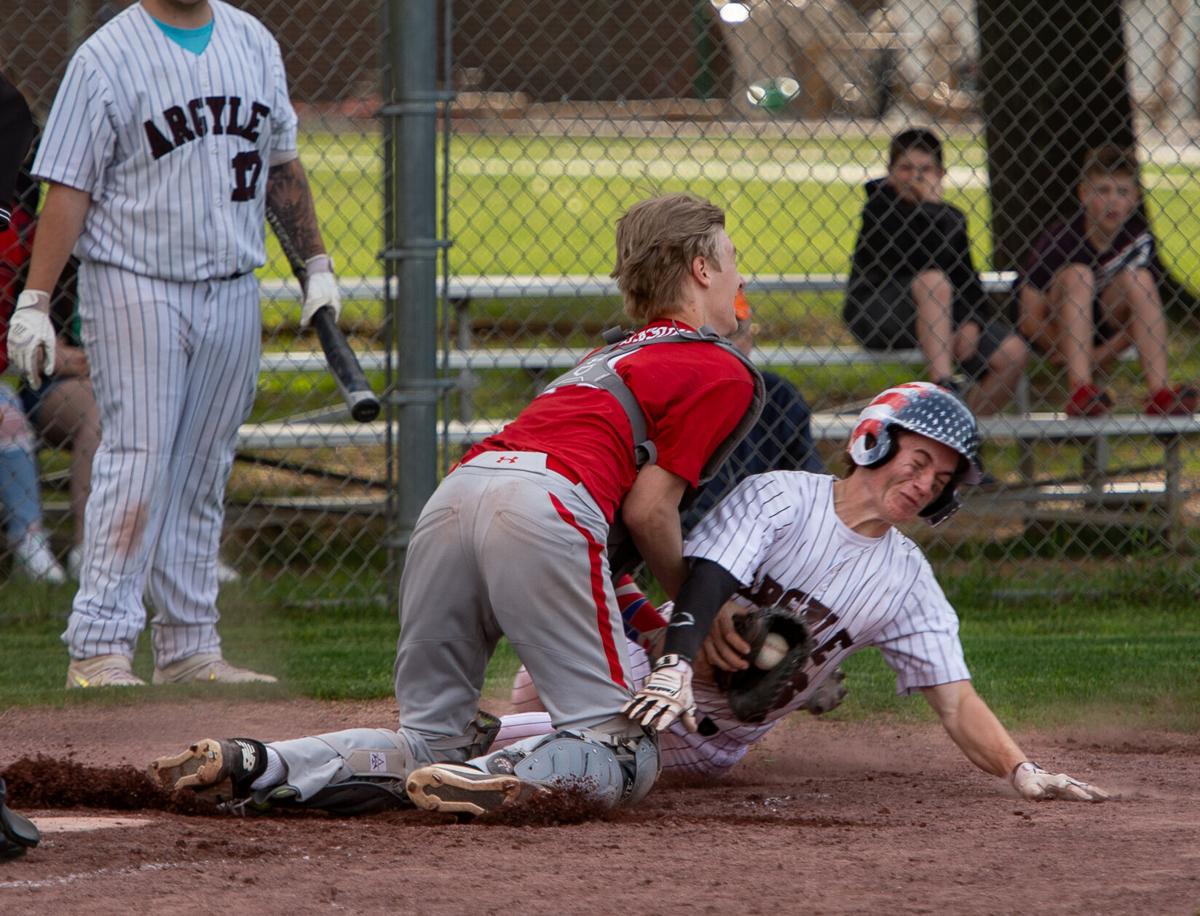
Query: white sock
[[274, 774], [520, 725]]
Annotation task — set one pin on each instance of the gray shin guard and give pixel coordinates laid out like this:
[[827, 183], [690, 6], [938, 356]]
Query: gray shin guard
[[616, 770], [363, 770], [354, 771]]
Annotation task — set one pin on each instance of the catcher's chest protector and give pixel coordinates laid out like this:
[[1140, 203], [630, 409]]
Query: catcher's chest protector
[[598, 370]]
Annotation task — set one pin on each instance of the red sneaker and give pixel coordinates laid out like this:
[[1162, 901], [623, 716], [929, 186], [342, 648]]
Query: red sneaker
[[1179, 401], [1089, 401]]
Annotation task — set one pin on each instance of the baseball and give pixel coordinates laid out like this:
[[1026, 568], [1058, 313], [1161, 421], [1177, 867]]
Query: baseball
[[774, 648]]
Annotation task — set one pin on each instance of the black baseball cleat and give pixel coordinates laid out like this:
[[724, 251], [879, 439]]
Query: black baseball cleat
[[459, 789], [221, 768]]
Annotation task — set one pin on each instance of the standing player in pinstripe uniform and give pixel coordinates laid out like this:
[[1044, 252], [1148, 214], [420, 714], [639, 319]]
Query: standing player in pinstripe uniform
[[170, 133], [827, 550]]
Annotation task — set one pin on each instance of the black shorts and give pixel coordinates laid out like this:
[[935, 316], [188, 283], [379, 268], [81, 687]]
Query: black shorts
[[1104, 332], [883, 317], [31, 399]]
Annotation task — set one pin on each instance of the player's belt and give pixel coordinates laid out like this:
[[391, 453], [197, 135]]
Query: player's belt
[[522, 460], [236, 276]]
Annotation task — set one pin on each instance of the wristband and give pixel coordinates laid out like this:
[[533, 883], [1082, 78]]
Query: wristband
[[34, 298], [319, 264], [1024, 765]]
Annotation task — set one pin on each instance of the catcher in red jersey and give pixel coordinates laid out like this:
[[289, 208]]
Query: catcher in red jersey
[[514, 542], [827, 552]]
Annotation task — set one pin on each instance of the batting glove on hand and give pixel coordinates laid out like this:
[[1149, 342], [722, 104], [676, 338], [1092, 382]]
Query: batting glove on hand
[[666, 696], [31, 337], [320, 290], [1036, 784]]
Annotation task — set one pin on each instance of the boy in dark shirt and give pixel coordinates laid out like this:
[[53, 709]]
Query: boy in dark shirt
[[913, 284], [1089, 291]]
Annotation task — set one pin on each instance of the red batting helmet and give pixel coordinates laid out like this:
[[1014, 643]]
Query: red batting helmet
[[928, 410]]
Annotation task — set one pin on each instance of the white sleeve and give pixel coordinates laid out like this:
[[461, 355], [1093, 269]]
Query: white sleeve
[[80, 137], [921, 643], [739, 531], [283, 115]]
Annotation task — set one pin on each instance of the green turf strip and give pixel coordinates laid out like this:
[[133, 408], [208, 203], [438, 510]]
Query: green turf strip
[[1123, 647]]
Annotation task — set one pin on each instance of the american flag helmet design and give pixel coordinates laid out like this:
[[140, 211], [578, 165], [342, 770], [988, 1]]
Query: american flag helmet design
[[928, 410]]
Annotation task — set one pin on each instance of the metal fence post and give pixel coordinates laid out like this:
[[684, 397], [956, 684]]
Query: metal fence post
[[409, 116]]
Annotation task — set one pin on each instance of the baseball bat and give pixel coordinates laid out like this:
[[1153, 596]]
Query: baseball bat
[[343, 364]]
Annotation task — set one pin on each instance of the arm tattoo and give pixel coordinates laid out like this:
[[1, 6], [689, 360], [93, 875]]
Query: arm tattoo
[[290, 199]]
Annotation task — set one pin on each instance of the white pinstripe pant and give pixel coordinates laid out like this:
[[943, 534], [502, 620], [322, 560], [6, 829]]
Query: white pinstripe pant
[[173, 367]]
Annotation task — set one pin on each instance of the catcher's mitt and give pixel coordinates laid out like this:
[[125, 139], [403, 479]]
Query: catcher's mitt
[[754, 692]]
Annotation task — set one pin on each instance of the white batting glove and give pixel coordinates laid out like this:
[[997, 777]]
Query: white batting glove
[[666, 696], [31, 337], [1036, 784], [321, 289]]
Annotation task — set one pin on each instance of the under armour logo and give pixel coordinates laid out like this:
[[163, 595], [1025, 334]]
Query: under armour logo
[[506, 459], [683, 619]]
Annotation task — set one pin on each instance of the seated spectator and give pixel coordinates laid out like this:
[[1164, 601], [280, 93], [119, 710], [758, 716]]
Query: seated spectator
[[63, 410], [780, 440], [913, 283], [20, 505], [1089, 291], [19, 501]]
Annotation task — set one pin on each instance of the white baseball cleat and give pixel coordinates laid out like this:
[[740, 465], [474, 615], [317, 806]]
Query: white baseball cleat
[[226, 573], [459, 789], [33, 558], [208, 667], [102, 671], [226, 764]]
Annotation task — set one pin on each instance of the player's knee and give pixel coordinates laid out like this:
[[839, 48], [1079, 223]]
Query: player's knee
[[932, 282], [1075, 278], [1011, 355], [130, 528]]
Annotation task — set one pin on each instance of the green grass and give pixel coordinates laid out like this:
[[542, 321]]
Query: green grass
[[1121, 648], [547, 204], [1048, 659]]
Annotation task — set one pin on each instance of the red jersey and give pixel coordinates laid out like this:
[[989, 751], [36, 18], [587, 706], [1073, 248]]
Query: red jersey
[[14, 252], [692, 396]]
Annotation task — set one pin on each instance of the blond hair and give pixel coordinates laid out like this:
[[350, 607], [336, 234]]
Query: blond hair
[[657, 241]]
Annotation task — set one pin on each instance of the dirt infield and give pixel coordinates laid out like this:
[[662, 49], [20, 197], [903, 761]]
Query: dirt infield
[[825, 817]]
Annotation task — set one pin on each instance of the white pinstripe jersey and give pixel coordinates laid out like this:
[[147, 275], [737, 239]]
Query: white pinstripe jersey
[[173, 147], [778, 534]]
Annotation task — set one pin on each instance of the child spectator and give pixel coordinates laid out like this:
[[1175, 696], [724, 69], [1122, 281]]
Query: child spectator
[[20, 504], [1089, 291], [62, 411], [913, 283]]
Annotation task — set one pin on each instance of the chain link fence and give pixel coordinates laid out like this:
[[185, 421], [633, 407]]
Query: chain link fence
[[305, 508], [861, 273], [563, 115]]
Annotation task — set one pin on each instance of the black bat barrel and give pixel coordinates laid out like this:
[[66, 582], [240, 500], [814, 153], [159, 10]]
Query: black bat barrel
[[356, 390]]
